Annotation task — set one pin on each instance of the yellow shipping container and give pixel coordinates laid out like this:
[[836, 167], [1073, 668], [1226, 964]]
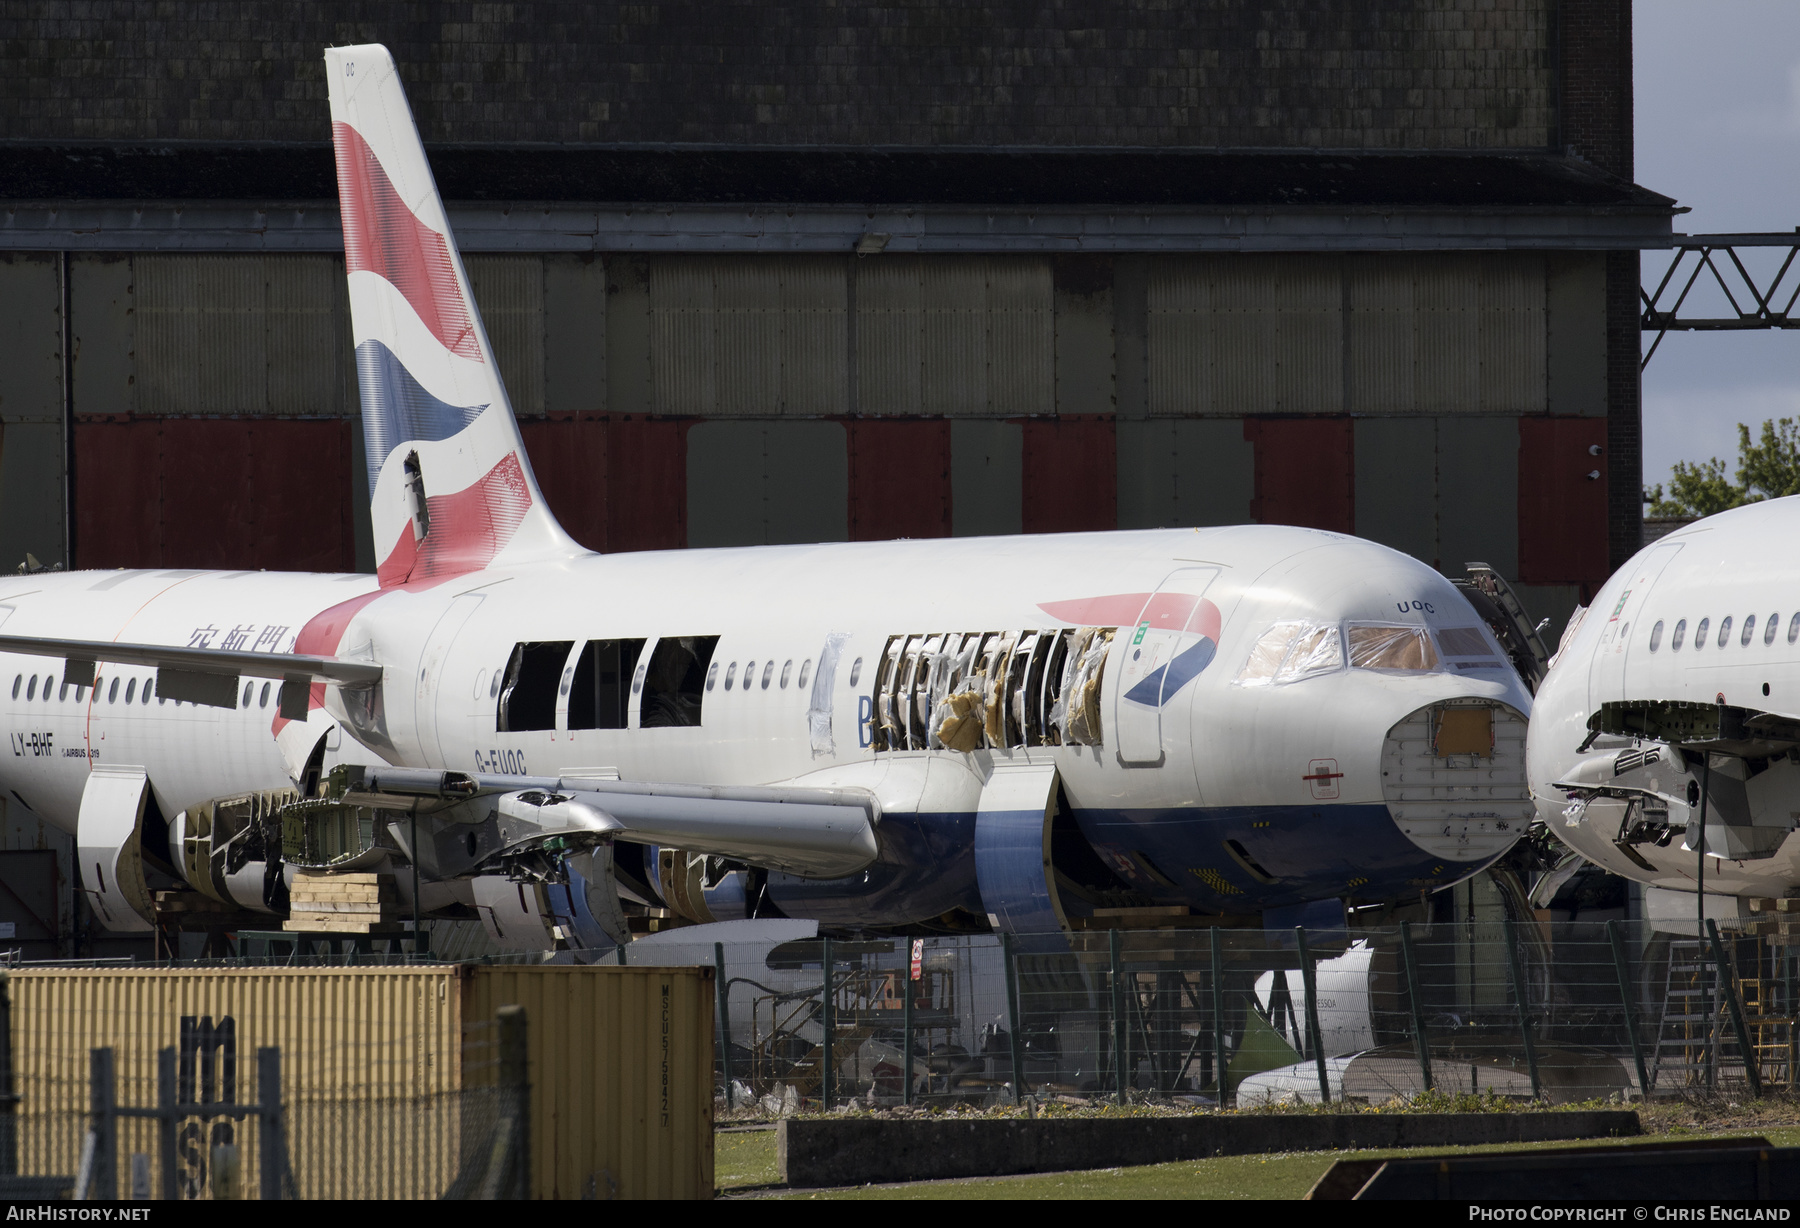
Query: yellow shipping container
[[375, 1062]]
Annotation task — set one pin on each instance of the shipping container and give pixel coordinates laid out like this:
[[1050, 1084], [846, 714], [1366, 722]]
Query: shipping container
[[382, 1069]]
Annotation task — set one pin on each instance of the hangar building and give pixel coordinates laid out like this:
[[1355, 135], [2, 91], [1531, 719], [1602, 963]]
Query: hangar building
[[795, 272]]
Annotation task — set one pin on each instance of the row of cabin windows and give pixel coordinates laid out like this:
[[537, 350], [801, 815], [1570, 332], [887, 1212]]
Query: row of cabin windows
[[1770, 626], [132, 693], [670, 688]]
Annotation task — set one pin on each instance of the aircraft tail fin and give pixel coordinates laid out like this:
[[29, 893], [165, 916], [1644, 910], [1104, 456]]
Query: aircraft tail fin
[[450, 487]]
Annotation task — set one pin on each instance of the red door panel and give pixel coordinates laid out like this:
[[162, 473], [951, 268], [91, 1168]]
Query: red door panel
[[1562, 502], [899, 477], [1071, 474], [1305, 472]]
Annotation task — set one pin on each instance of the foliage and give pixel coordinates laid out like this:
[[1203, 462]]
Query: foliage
[[1767, 469]]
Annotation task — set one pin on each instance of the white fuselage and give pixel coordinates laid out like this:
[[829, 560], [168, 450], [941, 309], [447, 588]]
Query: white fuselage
[[1708, 615], [1235, 763]]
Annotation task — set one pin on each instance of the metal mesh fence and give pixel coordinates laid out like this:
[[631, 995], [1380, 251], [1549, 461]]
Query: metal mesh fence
[[462, 1144], [1571, 1012]]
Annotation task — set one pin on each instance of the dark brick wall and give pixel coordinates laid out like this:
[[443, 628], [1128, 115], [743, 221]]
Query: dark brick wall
[[1371, 74], [1596, 111]]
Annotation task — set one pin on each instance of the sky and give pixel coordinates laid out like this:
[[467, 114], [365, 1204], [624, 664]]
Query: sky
[[1717, 92]]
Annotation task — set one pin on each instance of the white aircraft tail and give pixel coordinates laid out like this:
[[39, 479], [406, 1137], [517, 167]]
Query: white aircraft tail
[[450, 487]]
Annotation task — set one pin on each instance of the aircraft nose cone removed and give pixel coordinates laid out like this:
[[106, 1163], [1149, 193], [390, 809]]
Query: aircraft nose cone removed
[[1453, 776]]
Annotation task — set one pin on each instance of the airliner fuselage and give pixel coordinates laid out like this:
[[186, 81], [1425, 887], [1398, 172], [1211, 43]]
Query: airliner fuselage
[[1251, 777]]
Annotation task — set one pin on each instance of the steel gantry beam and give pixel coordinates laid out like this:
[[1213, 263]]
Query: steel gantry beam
[[1757, 303]]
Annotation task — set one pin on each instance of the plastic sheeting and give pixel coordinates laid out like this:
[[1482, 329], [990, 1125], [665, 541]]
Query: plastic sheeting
[[818, 706], [1292, 651], [1405, 649]]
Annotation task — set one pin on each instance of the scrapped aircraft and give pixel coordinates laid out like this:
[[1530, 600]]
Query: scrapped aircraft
[[1025, 734], [1668, 726]]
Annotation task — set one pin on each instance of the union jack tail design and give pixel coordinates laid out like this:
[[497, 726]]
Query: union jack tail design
[[449, 483]]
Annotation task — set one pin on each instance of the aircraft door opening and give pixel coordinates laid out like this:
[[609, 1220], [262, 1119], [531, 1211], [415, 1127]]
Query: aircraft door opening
[[1606, 678], [434, 663], [1174, 638]]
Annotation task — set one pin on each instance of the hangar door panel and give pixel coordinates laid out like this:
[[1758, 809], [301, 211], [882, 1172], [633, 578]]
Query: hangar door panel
[[1176, 635]]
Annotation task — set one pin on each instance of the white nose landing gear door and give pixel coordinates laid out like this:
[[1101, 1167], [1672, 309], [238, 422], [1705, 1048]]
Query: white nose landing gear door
[[1176, 634]]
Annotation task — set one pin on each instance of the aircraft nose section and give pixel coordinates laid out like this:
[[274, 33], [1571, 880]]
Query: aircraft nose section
[[1453, 776]]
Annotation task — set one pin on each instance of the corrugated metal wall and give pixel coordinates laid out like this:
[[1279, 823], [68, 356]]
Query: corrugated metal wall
[[621, 1076], [713, 400], [31, 409], [958, 336], [1305, 472], [620, 1066], [384, 1037], [216, 492], [899, 478], [1562, 501]]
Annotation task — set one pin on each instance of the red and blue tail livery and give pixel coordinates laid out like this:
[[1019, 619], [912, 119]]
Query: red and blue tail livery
[[450, 488]]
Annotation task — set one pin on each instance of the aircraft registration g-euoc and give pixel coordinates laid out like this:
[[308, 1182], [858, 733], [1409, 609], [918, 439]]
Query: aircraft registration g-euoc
[[1666, 738], [1004, 734]]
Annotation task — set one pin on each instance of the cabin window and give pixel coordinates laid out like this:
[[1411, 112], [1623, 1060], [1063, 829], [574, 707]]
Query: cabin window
[[1794, 627], [1725, 631], [1656, 636], [768, 673], [787, 669], [597, 696], [856, 665], [112, 692], [130, 687], [143, 692], [805, 673], [674, 685], [30, 691], [730, 674], [528, 694], [1749, 631], [1401, 649], [1700, 634], [1769, 628], [245, 702], [712, 675], [262, 699]]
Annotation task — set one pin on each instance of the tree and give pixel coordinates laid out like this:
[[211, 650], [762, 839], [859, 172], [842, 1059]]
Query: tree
[[1767, 469]]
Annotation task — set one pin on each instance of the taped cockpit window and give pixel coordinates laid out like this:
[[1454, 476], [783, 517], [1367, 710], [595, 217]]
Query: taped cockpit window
[[1387, 647], [1268, 654], [1469, 648], [1316, 650]]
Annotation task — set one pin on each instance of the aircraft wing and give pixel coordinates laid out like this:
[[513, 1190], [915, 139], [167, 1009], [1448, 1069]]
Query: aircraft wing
[[199, 675], [813, 832]]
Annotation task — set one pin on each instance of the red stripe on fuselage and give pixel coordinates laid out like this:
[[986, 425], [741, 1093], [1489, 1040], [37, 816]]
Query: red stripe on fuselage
[[467, 529], [322, 635], [1163, 611], [384, 237]]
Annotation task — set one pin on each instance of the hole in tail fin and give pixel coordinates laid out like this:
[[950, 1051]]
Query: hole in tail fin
[[415, 497]]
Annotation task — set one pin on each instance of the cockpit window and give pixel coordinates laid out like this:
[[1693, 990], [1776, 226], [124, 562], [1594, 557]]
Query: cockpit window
[[1268, 654], [1375, 646], [1290, 651]]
